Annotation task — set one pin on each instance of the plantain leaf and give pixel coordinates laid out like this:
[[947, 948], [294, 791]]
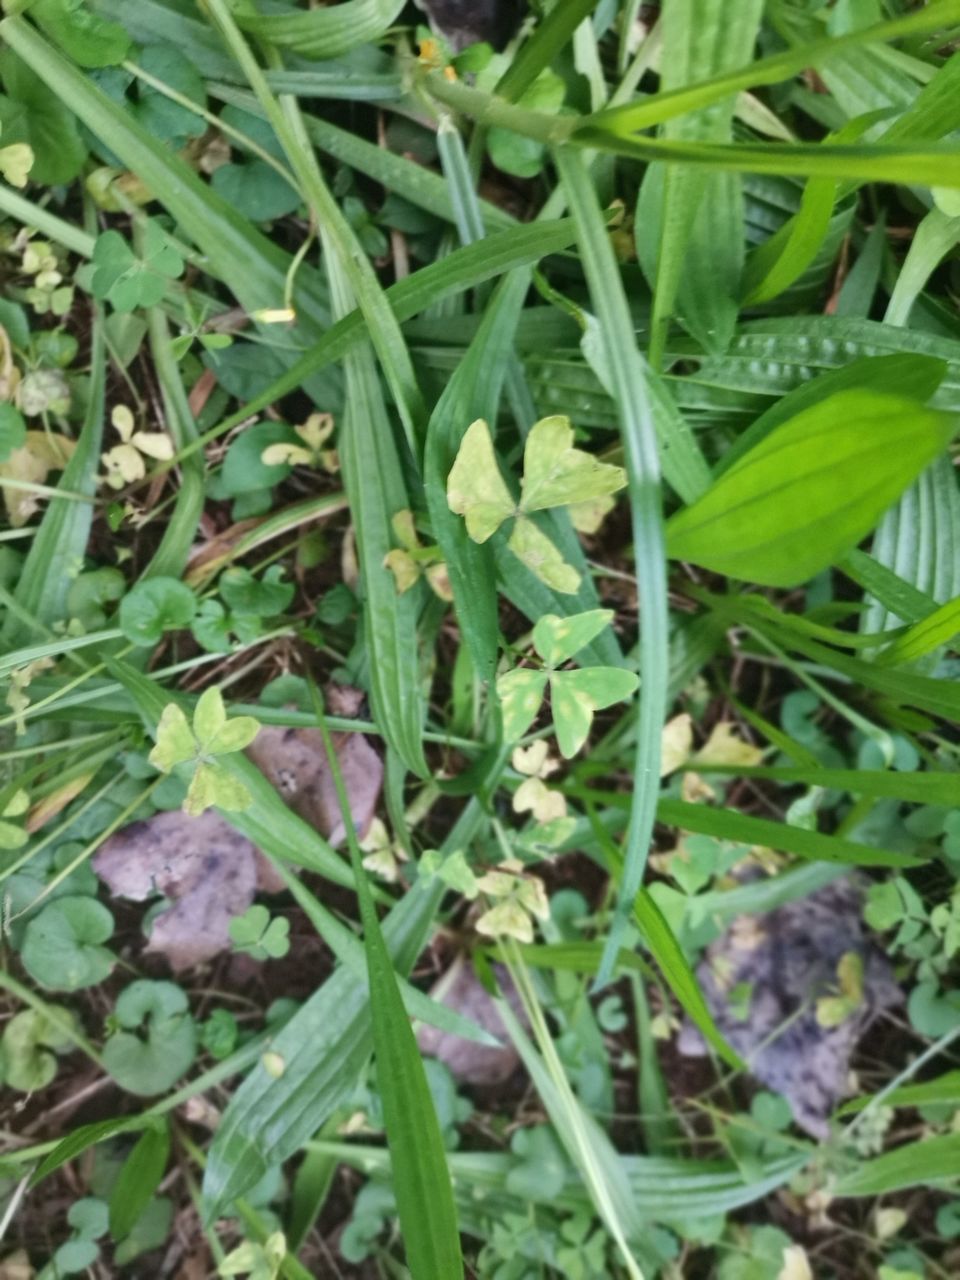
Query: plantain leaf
[[811, 489]]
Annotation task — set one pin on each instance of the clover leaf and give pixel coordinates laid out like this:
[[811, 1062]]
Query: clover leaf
[[31, 1039], [127, 281], [211, 735], [257, 1261], [152, 607], [574, 695], [259, 936], [150, 1062], [555, 474], [62, 946], [262, 597]]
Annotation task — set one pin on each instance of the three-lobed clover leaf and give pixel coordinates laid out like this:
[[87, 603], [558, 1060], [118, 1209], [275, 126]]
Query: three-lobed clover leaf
[[574, 695], [127, 281], [260, 936], [211, 735], [126, 461], [555, 474]]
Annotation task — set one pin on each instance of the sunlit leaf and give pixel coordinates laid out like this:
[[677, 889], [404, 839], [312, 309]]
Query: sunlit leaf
[[175, 741], [520, 693], [557, 639], [530, 545], [576, 695], [475, 488], [212, 785], [556, 474]]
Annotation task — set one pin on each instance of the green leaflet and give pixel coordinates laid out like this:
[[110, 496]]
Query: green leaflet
[[811, 489]]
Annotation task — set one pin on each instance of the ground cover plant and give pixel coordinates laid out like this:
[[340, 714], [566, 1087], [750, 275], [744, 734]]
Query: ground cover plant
[[479, 598]]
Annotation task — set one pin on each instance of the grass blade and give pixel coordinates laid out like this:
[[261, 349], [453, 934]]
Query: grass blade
[[643, 469], [428, 1216], [60, 542]]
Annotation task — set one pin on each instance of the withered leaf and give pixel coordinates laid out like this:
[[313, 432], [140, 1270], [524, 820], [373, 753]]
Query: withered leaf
[[471, 1063], [762, 980], [207, 869], [295, 762]]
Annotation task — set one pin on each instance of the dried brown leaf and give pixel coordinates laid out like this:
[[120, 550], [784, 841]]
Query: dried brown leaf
[[460, 989], [207, 869]]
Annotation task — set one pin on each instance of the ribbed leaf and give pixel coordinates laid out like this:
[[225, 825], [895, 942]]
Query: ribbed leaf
[[811, 489]]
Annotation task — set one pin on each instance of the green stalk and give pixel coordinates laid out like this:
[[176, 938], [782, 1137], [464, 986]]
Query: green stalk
[[628, 380]]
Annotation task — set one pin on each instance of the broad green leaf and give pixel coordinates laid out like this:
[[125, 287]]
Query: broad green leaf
[[555, 474], [327, 32], [32, 116], [542, 557], [175, 742], [811, 489], [87, 38], [576, 695], [475, 488], [520, 693], [557, 640], [915, 376]]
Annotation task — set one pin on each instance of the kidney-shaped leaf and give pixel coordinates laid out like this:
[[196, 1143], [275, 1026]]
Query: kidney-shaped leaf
[[811, 489], [151, 1062], [62, 946]]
